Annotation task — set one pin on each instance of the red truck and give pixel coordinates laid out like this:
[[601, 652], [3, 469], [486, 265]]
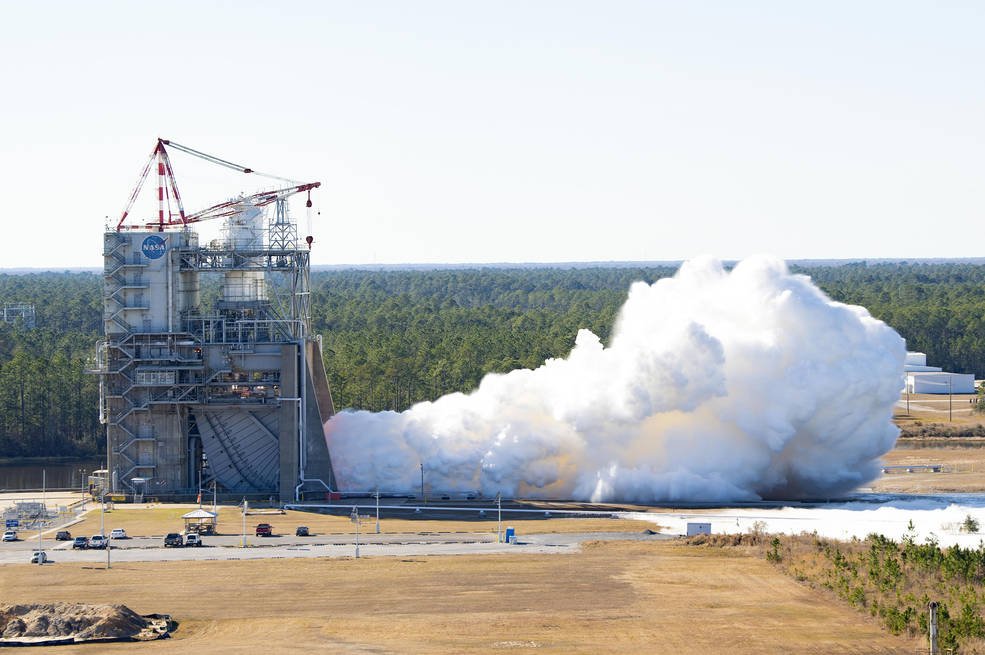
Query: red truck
[[264, 530]]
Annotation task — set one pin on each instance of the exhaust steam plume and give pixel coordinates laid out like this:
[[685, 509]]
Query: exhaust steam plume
[[717, 386]]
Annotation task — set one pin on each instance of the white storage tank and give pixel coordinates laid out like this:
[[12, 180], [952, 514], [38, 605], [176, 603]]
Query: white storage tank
[[916, 359]]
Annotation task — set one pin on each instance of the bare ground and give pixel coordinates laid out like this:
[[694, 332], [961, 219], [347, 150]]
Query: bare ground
[[611, 597], [964, 470]]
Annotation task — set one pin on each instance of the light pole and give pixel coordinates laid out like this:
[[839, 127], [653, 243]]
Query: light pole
[[82, 488], [102, 525], [423, 500], [244, 522], [499, 519], [377, 510]]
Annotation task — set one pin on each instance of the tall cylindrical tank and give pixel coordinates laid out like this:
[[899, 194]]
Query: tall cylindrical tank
[[244, 231]]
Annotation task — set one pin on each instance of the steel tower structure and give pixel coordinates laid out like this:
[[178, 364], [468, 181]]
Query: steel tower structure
[[235, 394]]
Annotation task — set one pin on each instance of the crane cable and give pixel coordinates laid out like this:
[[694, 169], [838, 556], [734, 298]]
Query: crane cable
[[223, 162]]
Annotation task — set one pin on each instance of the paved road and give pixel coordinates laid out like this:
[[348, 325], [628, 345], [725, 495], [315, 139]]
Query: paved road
[[53, 499], [148, 549]]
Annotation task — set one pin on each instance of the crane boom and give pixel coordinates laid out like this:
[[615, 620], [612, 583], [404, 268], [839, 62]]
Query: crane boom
[[228, 208], [167, 182]]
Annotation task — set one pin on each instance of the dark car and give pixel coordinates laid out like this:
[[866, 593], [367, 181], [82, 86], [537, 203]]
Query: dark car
[[63, 535], [80, 542], [173, 539], [302, 531], [264, 530]]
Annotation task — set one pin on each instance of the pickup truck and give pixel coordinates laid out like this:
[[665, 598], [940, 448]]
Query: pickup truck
[[264, 530], [173, 539]]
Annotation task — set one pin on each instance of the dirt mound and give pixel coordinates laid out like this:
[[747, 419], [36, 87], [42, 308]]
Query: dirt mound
[[54, 623]]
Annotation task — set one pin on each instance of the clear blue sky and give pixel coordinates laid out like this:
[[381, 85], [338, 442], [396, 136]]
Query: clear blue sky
[[511, 131]]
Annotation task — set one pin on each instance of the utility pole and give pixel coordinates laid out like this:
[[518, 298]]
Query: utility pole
[[355, 519], [949, 398], [934, 650], [41, 522]]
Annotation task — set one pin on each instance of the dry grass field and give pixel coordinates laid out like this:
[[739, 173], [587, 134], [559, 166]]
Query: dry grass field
[[968, 476], [937, 407], [611, 597]]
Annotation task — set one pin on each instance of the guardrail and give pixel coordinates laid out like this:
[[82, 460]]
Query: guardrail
[[933, 468]]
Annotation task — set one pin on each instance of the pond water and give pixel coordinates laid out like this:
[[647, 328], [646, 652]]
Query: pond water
[[62, 475], [938, 517]]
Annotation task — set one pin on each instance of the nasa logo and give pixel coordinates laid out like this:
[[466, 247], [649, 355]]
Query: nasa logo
[[153, 247]]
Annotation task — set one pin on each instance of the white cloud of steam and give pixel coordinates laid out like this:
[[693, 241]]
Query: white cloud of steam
[[717, 386]]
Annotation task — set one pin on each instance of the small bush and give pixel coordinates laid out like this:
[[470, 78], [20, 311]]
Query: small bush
[[773, 554]]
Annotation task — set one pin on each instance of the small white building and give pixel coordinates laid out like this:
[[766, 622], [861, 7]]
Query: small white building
[[698, 528], [939, 382]]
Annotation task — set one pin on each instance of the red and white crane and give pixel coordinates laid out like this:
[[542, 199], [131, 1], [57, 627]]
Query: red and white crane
[[167, 187]]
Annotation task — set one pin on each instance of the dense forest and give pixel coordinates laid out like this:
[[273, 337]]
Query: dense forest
[[393, 338]]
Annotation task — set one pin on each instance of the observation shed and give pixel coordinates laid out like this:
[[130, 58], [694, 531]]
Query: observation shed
[[201, 521]]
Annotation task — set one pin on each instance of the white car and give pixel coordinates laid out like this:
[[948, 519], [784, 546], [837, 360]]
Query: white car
[[97, 541], [10, 535], [39, 555], [118, 533]]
